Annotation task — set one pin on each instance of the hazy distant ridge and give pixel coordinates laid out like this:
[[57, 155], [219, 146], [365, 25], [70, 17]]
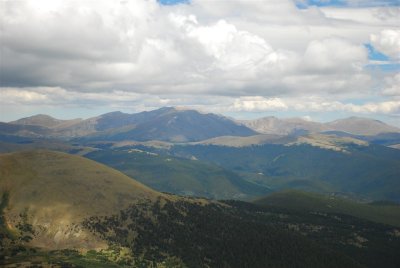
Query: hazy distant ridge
[[181, 125], [351, 125]]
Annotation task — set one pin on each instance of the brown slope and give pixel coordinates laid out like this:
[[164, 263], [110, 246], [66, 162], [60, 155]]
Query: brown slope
[[55, 192]]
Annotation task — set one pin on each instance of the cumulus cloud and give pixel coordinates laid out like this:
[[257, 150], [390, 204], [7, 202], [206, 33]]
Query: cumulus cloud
[[239, 55], [392, 85], [388, 42], [334, 55], [261, 104], [22, 96], [258, 103], [57, 95], [143, 47], [385, 107]]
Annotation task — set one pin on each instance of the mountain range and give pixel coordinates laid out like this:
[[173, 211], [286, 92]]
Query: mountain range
[[184, 125], [165, 124], [191, 153]]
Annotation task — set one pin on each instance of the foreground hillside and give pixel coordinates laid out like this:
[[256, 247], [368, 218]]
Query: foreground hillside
[[70, 211], [56, 191]]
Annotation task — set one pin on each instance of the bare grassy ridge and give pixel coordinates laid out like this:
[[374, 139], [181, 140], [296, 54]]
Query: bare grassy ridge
[[56, 191]]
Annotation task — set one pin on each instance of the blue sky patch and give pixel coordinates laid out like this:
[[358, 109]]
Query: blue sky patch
[[319, 3], [173, 2], [303, 4], [390, 67], [374, 54]]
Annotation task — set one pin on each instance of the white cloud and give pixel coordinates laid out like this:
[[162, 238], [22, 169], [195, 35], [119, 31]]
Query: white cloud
[[392, 85], [388, 42], [253, 104], [334, 55], [57, 95], [367, 17], [384, 107], [143, 47], [261, 104], [21, 96], [240, 55], [232, 53], [307, 118]]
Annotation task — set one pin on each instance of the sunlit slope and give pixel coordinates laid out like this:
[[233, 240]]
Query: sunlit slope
[[312, 202], [55, 191]]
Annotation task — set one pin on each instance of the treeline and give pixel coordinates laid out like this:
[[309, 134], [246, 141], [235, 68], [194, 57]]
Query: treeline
[[213, 235]]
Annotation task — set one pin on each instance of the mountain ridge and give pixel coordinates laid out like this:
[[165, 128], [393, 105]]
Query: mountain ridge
[[177, 124], [44, 120], [164, 124], [352, 125]]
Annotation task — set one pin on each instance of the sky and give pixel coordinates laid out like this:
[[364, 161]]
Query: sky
[[316, 59]]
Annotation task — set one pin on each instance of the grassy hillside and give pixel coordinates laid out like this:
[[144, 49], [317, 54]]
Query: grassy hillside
[[311, 202], [56, 191], [179, 175]]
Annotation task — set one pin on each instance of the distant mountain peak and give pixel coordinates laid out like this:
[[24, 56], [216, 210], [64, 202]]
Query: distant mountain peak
[[39, 116], [42, 120], [177, 124], [45, 121], [362, 126], [114, 113], [352, 125], [277, 126]]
